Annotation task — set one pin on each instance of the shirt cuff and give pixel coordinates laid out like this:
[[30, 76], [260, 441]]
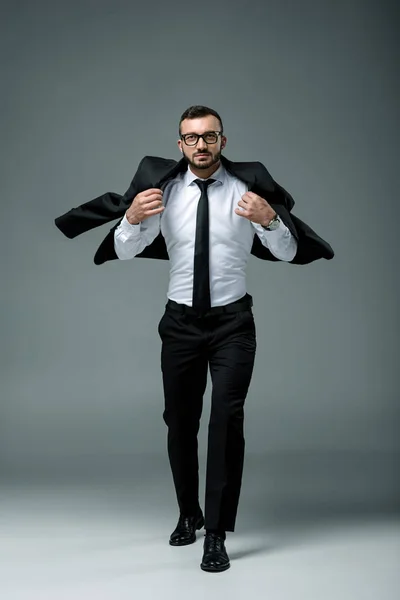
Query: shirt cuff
[[129, 227], [126, 232]]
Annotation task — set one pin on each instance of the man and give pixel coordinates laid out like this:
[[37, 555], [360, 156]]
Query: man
[[203, 216]]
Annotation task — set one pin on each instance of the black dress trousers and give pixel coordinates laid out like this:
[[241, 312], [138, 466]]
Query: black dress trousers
[[224, 342]]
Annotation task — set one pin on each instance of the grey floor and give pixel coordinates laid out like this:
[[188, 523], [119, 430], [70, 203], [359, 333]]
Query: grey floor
[[76, 538]]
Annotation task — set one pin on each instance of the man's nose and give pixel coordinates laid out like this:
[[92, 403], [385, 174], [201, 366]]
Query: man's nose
[[201, 143]]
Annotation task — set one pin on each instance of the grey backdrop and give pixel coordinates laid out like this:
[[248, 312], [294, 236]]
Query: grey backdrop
[[308, 88]]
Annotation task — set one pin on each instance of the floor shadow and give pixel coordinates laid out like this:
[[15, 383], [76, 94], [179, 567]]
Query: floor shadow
[[251, 551]]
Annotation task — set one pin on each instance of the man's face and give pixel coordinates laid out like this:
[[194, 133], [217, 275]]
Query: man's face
[[203, 155]]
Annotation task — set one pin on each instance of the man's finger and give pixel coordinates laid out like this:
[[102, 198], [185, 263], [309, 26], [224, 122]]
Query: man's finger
[[241, 211], [152, 198], [150, 191], [251, 197]]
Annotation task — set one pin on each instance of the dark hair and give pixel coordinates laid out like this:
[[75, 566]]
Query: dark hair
[[196, 112]]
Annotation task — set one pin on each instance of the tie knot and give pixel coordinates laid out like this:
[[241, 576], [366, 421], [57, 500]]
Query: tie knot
[[204, 183]]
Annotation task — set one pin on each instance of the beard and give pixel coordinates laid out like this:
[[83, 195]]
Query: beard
[[203, 163]]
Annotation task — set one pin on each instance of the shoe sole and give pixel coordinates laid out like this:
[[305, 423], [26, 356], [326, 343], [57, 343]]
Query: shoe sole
[[215, 570], [199, 525]]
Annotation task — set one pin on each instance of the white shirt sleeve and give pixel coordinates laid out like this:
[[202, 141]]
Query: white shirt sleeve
[[130, 240], [280, 242]]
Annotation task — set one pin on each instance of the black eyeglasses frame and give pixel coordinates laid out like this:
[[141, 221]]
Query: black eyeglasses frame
[[198, 136]]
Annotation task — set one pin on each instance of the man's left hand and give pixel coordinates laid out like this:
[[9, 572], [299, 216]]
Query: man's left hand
[[255, 208]]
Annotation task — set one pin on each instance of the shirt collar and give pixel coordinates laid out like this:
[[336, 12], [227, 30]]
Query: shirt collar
[[219, 175]]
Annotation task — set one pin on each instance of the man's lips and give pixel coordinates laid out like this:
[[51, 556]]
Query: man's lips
[[199, 155]]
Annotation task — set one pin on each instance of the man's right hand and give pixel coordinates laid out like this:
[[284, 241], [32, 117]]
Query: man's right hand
[[144, 205]]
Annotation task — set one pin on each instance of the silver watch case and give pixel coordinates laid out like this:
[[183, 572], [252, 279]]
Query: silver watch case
[[273, 224]]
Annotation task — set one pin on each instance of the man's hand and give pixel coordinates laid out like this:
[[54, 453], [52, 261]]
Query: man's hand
[[256, 209], [144, 205]]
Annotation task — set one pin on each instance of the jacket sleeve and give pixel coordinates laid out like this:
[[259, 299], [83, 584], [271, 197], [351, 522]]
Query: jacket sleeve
[[100, 210], [310, 246]]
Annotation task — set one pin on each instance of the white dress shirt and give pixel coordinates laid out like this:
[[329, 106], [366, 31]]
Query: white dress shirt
[[231, 236]]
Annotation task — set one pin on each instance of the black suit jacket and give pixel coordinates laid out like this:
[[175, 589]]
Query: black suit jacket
[[156, 172]]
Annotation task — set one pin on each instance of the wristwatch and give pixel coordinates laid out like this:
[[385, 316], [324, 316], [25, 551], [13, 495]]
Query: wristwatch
[[273, 224]]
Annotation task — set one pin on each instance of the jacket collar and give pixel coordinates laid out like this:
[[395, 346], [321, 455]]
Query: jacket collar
[[219, 176], [242, 171]]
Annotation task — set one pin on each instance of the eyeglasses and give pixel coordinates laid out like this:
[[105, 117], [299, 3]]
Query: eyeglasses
[[210, 137]]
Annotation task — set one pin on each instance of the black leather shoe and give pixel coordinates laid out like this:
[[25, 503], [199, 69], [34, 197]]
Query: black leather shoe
[[185, 531], [215, 558]]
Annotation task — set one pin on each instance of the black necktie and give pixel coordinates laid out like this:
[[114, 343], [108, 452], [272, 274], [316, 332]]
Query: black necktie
[[201, 272]]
